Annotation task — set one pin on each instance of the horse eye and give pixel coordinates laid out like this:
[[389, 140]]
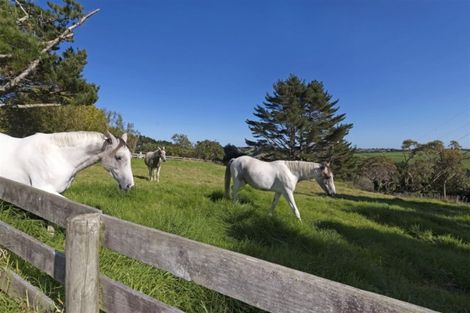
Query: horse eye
[[118, 158]]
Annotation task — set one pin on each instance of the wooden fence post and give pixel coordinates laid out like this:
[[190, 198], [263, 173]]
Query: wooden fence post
[[81, 264]]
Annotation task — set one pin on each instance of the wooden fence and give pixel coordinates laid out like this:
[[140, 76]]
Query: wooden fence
[[262, 284]]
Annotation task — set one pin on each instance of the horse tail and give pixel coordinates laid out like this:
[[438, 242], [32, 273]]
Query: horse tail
[[227, 179]]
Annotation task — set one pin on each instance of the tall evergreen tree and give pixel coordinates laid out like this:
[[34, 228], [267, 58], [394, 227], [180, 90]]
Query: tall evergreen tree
[[299, 121]]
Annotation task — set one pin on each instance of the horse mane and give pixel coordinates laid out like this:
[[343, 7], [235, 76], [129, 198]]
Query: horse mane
[[302, 168], [78, 138]]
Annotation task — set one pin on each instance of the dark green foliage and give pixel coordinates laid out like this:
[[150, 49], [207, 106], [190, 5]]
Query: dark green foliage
[[182, 146], [230, 152], [147, 144], [209, 150], [343, 159], [299, 121], [58, 78], [25, 122], [62, 81]]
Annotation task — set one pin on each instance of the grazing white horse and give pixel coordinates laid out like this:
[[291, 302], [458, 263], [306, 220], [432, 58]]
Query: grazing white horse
[[51, 161], [153, 160], [278, 176]]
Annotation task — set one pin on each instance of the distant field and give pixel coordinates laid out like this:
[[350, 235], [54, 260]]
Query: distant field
[[417, 250], [399, 156], [395, 155]]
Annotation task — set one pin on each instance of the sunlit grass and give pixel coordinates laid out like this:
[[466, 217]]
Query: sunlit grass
[[417, 250]]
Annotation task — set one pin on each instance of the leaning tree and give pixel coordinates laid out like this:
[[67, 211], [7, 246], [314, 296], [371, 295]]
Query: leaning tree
[[32, 71], [39, 68]]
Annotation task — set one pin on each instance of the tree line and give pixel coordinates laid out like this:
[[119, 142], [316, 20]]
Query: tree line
[[180, 145], [430, 168]]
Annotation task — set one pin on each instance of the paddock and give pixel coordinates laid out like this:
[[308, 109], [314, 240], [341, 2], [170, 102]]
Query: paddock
[[192, 260]]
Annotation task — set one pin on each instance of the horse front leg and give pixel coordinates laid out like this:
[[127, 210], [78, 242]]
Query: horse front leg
[[150, 173], [277, 196], [158, 174], [290, 199]]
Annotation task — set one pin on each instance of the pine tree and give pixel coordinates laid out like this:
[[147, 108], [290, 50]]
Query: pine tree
[[29, 40], [299, 121]]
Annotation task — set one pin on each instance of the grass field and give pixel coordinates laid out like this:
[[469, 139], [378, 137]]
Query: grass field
[[396, 156], [411, 249]]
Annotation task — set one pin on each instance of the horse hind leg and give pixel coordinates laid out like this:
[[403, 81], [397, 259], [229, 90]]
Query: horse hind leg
[[237, 184], [290, 199], [277, 196]]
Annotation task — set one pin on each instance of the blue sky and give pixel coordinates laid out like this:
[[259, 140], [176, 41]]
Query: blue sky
[[400, 69]]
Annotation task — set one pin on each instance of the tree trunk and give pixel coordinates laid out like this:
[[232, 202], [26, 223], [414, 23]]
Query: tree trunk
[[444, 191]]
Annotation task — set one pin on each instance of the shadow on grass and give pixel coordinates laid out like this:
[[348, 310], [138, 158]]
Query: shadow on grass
[[418, 260], [218, 195], [416, 223], [386, 262], [141, 177], [421, 206], [415, 217]]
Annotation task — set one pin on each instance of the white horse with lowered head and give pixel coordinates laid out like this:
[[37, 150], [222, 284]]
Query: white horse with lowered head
[[51, 161], [153, 160], [278, 176]]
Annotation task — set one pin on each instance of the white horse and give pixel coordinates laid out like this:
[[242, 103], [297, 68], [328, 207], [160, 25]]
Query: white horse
[[153, 160], [278, 176], [51, 161]]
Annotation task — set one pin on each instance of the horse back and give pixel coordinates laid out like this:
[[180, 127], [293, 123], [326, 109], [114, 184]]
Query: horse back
[[20, 156], [261, 174]]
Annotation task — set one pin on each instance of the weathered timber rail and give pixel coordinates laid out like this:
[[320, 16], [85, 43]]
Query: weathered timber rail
[[262, 284]]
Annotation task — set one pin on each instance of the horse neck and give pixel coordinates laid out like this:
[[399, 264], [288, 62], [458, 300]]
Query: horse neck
[[79, 149], [303, 170], [156, 157]]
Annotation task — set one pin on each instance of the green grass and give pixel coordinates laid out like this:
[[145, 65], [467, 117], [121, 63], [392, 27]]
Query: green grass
[[416, 250], [396, 156]]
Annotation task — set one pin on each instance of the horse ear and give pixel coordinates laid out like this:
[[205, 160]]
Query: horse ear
[[109, 137], [163, 148], [124, 137]]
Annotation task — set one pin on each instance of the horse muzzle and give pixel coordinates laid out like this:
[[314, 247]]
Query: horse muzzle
[[126, 187]]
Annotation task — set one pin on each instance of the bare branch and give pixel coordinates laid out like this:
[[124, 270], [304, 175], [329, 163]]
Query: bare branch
[[49, 45], [68, 36], [26, 15], [33, 105], [37, 105]]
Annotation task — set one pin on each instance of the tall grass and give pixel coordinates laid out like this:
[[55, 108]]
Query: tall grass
[[412, 249]]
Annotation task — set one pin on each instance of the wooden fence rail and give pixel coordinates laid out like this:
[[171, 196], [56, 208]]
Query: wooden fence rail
[[262, 284]]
